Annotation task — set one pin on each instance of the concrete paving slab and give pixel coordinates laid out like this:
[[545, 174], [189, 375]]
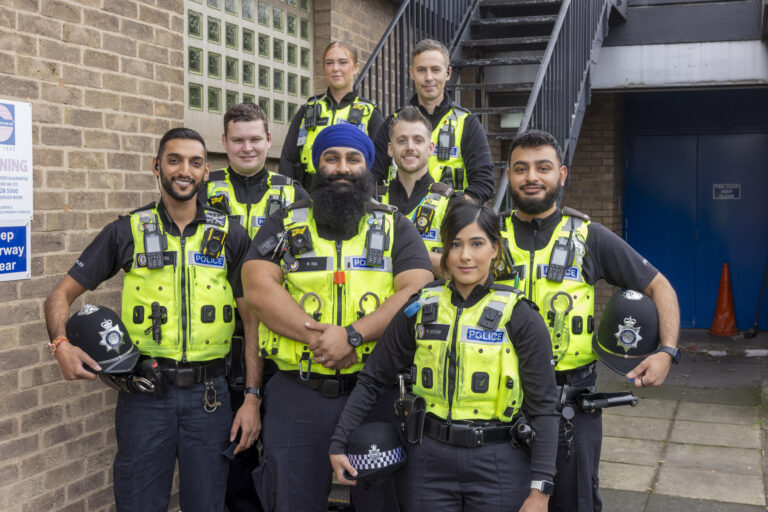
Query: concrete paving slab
[[632, 451], [714, 434], [626, 477], [623, 501], [661, 503], [710, 485], [653, 429], [646, 408], [718, 414], [740, 461], [725, 373], [749, 397]]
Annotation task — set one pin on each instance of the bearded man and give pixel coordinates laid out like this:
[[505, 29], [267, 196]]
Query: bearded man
[[325, 276]]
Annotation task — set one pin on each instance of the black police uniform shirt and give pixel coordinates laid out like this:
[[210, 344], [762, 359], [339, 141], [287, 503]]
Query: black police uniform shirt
[[408, 250], [474, 150], [251, 189], [290, 157], [608, 256], [399, 198], [528, 334], [112, 249]]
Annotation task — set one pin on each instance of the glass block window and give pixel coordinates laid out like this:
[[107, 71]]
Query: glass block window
[[257, 51]]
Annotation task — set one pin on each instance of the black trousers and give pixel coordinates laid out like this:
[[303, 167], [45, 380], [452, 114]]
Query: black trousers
[[576, 478], [241, 495], [294, 474]]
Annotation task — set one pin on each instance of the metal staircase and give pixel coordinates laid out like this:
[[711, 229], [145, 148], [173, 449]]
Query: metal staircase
[[517, 63]]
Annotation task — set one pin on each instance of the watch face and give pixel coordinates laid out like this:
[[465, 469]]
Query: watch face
[[354, 338]]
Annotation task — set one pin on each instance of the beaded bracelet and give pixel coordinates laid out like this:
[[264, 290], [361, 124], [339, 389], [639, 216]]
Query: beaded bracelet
[[53, 345]]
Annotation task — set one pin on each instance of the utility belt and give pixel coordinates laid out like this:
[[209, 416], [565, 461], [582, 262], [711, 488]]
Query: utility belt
[[184, 375], [572, 376], [467, 434], [329, 387]]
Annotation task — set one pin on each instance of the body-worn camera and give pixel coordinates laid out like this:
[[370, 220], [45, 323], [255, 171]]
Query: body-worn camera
[[299, 240], [213, 242]]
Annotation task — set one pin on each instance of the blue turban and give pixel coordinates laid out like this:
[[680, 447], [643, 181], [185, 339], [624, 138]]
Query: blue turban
[[344, 136]]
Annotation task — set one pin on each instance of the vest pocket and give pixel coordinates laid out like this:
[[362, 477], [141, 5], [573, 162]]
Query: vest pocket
[[478, 377]]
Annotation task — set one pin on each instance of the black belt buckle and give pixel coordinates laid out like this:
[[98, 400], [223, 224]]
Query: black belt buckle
[[330, 388], [465, 436], [185, 377]]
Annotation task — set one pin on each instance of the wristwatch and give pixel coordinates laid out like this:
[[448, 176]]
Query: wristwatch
[[354, 338], [674, 353], [543, 486], [258, 391]]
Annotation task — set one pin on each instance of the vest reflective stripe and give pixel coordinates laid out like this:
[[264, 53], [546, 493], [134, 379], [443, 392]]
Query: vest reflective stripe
[[251, 216], [307, 136], [192, 288], [486, 378], [431, 234], [573, 347], [455, 119], [310, 281]]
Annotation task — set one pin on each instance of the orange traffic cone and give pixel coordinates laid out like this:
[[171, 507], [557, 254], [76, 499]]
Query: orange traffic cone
[[724, 321]]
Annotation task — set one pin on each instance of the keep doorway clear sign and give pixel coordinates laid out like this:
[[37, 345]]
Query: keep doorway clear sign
[[14, 251], [726, 191]]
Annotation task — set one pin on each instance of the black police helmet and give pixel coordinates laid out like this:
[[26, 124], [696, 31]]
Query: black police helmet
[[629, 331], [100, 333], [376, 451]]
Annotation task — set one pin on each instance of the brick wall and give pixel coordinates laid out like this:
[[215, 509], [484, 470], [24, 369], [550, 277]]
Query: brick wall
[[360, 23], [104, 78], [596, 172]]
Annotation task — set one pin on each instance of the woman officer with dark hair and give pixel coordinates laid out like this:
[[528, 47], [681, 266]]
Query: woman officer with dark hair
[[482, 356]]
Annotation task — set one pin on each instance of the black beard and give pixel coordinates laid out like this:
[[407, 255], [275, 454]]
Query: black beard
[[338, 207], [168, 187], [532, 206]]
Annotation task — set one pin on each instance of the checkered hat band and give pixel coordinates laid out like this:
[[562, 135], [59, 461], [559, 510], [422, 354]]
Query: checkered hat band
[[377, 461]]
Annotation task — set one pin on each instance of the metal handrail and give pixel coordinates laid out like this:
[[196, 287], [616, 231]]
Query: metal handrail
[[561, 90], [384, 77]]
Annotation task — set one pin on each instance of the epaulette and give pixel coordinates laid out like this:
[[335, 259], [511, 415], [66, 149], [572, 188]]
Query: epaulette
[[216, 175], [529, 301], [459, 109], [381, 190], [435, 283], [366, 101], [301, 203], [505, 288], [575, 213], [279, 179], [375, 205], [441, 188], [142, 208]]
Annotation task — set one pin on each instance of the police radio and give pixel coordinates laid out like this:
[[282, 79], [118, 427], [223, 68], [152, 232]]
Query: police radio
[[310, 116], [274, 203], [445, 141], [423, 218], [154, 244], [213, 242], [376, 244], [559, 260]]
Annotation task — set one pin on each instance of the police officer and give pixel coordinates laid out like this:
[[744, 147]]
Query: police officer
[[481, 353], [248, 193], [461, 155], [556, 256], [340, 103], [182, 281], [325, 277], [413, 191]]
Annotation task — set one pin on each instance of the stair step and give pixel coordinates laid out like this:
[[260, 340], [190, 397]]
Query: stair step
[[499, 164], [501, 135], [513, 3], [505, 41], [498, 61], [498, 110], [491, 87], [519, 20]]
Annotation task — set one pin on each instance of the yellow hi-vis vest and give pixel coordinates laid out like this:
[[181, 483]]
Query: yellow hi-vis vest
[[333, 284], [466, 365], [280, 191], [429, 214], [568, 307], [192, 294], [450, 170], [357, 113]]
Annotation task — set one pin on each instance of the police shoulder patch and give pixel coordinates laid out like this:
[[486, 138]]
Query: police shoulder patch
[[575, 213], [441, 188], [149, 206]]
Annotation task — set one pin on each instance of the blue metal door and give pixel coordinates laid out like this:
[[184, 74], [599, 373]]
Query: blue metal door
[[732, 222], [694, 202], [660, 211]]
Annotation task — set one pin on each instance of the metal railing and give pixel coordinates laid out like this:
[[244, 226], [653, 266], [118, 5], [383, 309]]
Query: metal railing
[[561, 91], [384, 78]]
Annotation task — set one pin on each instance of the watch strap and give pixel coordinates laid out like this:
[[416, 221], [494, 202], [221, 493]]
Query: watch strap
[[674, 352], [257, 390], [544, 486]]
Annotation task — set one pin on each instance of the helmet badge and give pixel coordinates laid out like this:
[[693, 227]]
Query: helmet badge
[[374, 454], [111, 336], [628, 335]]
